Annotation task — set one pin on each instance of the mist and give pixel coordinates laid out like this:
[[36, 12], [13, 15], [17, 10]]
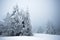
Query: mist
[[41, 11]]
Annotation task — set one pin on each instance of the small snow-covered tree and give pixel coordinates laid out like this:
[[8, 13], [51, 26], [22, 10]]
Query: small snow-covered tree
[[40, 30], [50, 28]]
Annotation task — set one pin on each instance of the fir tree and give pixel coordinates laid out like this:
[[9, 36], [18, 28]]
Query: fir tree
[[17, 23]]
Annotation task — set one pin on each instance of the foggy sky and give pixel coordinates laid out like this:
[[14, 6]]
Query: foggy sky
[[41, 11]]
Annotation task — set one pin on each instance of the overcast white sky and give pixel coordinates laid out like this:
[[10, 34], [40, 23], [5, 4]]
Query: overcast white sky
[[41, 11]]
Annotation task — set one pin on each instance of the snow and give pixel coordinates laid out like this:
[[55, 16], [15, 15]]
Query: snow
[[36, 36]]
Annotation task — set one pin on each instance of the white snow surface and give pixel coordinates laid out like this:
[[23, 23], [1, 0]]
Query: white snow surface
[[37, 36]]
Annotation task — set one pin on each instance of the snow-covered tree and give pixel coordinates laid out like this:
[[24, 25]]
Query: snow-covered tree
[[50, 28], [17, 23], [40, 30]]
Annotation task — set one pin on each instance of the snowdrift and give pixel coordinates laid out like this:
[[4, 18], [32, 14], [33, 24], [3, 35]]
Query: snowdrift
[[35, 37]]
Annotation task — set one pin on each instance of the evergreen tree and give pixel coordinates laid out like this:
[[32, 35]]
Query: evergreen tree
[[17, 23], [50, 28]]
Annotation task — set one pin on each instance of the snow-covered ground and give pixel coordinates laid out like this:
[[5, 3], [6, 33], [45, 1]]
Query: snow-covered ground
[[35, 37]]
